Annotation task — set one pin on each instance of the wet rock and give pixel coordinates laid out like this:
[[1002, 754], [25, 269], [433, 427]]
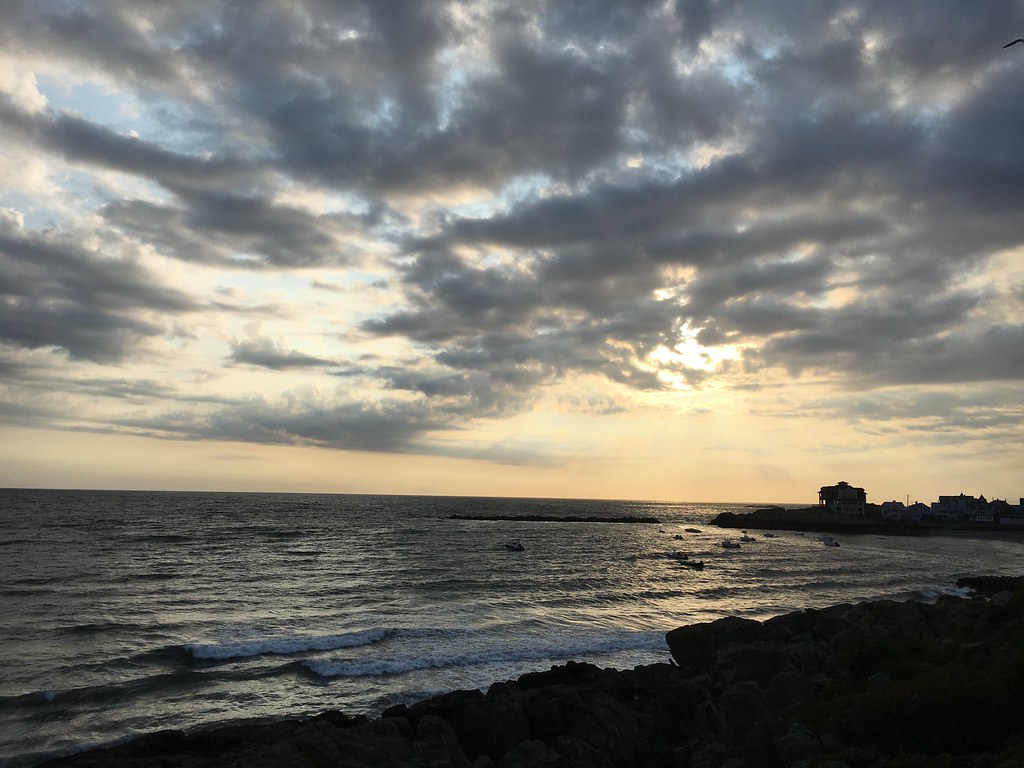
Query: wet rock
[[695, 647], [1002, 598], [788, 689], [879, 679], [798, 743], [875, 684], [530, 754]]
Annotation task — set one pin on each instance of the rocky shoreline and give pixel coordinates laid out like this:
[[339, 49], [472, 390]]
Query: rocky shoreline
[[900, 685], [812, 519]]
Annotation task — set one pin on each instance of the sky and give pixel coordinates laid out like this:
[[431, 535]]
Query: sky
[[703, 250]]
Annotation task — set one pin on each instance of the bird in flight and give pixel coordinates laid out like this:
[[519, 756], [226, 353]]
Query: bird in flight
[[1018, 40]]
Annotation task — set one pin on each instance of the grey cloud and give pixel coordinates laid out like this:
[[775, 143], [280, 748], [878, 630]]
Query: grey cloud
[[388, 426], [81, 140], [266, 353], [60, 295], [234, 230], [872, 341], [977, 415], [856, 145], [994, 354], [384, 427], [95, 34]]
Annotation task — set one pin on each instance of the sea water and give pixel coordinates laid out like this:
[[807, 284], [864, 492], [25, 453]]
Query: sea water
[[129, 612]]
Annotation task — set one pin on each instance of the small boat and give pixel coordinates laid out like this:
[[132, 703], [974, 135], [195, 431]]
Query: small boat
[[515, 546], [692, 530], [677, 556], [678, 537], [730, 544], [769, 535], [747, 538], [829, 541], [697, 565]]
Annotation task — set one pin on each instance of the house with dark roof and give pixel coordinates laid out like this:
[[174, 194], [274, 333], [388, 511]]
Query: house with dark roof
[[842, 499]]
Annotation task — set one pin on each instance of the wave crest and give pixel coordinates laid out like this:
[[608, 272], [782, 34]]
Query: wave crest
[[284, 645], [376, 666]]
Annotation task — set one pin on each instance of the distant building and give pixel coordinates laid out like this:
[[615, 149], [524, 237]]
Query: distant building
[[892, 510], [915, 510], [843, 499], [961, 507]]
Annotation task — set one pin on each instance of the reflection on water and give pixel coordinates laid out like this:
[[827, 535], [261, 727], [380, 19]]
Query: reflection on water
[[133, 611]]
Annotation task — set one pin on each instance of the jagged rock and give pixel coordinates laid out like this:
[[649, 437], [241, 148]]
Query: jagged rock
[[864, 685], [789, 688], [530, 754], [880, 679], [1002, 598], [798, 743], [695, 647]]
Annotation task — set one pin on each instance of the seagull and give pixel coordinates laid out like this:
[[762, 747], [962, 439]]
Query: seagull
[[1018, 40]]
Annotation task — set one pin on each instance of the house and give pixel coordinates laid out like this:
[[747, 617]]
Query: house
[[915, 510], [892, 510], [842, 499], [959, 507]]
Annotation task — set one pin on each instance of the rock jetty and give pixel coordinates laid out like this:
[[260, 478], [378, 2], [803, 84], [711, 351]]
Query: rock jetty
[[629, 519], [900, 685], [814, 519]]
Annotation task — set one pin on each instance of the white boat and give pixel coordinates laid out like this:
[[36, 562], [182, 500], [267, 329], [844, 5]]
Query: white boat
[[747, 538]]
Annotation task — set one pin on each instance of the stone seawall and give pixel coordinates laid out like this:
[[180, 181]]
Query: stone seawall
[[866, 685]]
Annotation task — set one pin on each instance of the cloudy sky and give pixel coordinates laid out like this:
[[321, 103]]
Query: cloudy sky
[[700, 250]]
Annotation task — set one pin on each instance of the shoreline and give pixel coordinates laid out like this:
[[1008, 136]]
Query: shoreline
[[867, 684], [810, 520]]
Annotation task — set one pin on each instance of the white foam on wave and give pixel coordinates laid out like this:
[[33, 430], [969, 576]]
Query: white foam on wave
[[932, 595], [377, 666], [284, 645]]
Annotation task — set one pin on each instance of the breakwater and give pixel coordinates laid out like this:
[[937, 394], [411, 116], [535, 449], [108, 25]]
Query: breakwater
[[627, 519], [870, 684], [814, 519]]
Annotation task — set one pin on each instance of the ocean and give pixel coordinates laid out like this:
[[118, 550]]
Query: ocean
[[130, 612]]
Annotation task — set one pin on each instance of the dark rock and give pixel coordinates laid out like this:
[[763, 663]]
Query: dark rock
[[798, 743], [880, 678], [989, 585], [530, 754], [789, 688], [874, 684], [1002, 598], [695, 647]]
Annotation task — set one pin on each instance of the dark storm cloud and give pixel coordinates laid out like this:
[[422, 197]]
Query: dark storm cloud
[[814, 183]]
